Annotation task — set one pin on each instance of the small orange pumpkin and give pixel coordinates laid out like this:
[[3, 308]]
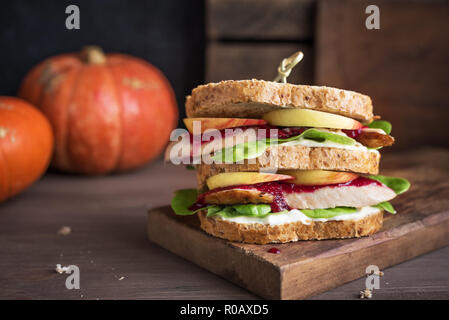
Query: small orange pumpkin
[[109, 112], [26, 145]]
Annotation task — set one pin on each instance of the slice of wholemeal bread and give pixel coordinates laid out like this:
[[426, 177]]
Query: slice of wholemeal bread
[[299, 157], [294, 231], [253, 98]]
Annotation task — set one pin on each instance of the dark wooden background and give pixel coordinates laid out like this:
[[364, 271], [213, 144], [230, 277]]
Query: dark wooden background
[[247, 39], [168, 34], [403, 66]]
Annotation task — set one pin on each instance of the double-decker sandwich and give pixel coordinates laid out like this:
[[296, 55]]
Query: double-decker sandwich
[[282, 162]]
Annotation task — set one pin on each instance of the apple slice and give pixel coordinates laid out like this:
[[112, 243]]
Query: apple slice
[[235, 178], [310, 118], [222, 123], [318, 177]]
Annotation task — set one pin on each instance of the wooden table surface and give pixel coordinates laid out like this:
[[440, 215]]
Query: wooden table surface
[[108, 242]]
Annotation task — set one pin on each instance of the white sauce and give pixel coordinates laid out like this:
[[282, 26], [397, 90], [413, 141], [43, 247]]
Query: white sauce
[[296, 215]]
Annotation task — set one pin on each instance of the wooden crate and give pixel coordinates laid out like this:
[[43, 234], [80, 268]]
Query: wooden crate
[[403, 66], [236, 61], [248, 39]]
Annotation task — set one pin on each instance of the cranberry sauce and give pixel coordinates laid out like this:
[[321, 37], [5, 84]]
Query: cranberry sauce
[[354, 133], [282, 133], [199, 204], [278, 188], [274, 250]]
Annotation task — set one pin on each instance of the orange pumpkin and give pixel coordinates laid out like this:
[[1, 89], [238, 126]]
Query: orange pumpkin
[[26, 144], [109, 112]]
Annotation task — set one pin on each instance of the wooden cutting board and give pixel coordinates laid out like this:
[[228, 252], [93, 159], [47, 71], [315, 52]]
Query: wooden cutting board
[[303, 269]]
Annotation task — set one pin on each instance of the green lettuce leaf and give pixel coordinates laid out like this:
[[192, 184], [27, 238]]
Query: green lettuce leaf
[[240, 152], [263, 210], [398, 185], [386, 206], [328, 213], [225, 212], [320, 136], [182, 200], [381, 124], [212, 210], [239, 210], [254, 149], [255, 210], [185, 198]]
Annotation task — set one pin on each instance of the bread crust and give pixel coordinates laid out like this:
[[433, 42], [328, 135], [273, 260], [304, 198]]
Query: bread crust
[[263, 234], [299, 157], [253, 98]]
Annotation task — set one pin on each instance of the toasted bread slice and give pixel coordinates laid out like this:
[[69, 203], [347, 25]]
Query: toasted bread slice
[[294, 231], [299, 157], [254, 98]]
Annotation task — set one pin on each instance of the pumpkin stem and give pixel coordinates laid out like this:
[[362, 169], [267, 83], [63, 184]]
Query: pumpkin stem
[[93, 55]]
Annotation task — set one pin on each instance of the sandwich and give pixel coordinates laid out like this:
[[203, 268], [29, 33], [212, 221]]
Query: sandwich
[[278, 162]]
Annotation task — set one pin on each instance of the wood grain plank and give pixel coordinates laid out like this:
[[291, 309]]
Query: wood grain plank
[[107, 215], [220, 257], [300, 270], [260, 19], [403, 66], [401, 281], [238, 61], [347, 266]]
